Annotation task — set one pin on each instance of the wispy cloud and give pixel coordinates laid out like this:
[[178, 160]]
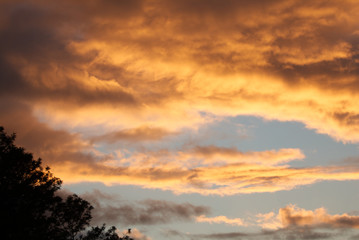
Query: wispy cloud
[[221, 219], [202, 169], [291, 222], [142, 133], [115, 210], [182, 174], [211, 154]]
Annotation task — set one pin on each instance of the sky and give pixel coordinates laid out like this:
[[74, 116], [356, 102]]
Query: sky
[[192, 119]]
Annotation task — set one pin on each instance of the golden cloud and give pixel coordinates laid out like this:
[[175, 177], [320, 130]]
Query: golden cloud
[[184, 173], [293, 216], [221, 219], [160, 61], [147, 69]]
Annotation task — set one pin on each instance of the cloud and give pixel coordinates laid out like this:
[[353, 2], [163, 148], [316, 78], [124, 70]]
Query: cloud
[[143, 133], [137, 234], [152, 63], [78, 76], [203, 169], [161, 68], [230, 235], [289, 223], [53, 146], [207, 156], [112, 210], [74, 159], [292, 222], [182, 173], [292, 216], [268, 220], [233, 155], [290, 234], [221, 219]]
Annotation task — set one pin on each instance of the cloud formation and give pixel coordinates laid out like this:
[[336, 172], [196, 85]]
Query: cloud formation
[[183, 173], [143, 133], [90, 85], [128, 77], [292, 216], [290, 234], [113, 210], [201, 169], [291, 222], [150, 63]]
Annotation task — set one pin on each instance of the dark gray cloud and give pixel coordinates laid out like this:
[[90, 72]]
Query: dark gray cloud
[[146, 212], [230, 235], [299, 233], [34, 39]]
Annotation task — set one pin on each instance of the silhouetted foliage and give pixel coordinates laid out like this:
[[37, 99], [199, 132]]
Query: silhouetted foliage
[[100, 233], [26, 190], [69, 217], [29, 208]]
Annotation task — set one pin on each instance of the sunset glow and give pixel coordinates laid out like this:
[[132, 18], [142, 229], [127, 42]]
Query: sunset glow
[[199, 119]]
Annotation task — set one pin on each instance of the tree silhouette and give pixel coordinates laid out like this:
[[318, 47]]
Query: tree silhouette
[[69, 217], [29, 208], [26, 190], [100, 233]]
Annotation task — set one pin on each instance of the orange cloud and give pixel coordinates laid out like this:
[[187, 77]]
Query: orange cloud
[[168, 171], [135, 234], [143, 133], [292, 216], [158, 62], [203, 169], [232, 155], [175, 66], [268, 220], [221, 219]]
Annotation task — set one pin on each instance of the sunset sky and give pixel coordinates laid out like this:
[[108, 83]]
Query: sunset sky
[[192, 119]]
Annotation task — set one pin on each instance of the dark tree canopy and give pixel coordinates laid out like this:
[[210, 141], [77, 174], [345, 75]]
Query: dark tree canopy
[[69, 217], [29, 207], [26, 190], [100, 233]]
